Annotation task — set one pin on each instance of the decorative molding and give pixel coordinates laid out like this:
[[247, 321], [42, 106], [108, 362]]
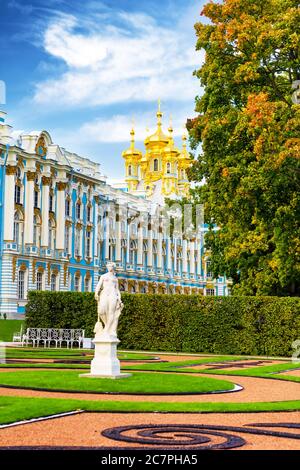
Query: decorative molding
[[61, 185], [31, 175], [10, 170], [14, 268], [46, 180]]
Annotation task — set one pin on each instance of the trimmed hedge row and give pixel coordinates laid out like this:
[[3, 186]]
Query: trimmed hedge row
[[180, 323]]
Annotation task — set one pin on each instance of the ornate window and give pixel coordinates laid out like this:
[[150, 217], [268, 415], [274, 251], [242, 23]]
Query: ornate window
[[18, 228], [53, 282], [77, 282], [36, 198], [89, 213], [67, 239], [210, 292], [51, 202], [168, 168], [36, 231], [39, 280], [78, 210], [88, 245], [67, 207], [18, 172], [208, 269], [51, 241], [77, 242], [21, 284], [129, 170], [155, 164], [17, 194], [87, 283]]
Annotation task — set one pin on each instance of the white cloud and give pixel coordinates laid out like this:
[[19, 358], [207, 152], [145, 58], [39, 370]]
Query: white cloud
[[117, 128], [138, 61]]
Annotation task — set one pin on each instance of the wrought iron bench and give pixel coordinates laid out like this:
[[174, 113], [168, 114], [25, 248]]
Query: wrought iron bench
[[57, 335]]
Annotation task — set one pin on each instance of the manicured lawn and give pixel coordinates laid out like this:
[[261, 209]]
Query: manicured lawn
[[262, 371], [14, 409], [176, 366], [142, 383], [61, 353], [8, 328]]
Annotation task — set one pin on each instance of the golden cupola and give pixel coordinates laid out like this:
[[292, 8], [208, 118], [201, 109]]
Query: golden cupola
[[161, 170], [132, 157]]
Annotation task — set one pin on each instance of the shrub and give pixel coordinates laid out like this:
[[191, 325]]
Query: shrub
[[180, 323]]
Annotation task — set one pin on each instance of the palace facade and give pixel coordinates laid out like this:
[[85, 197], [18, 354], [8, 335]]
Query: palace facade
[[60, 223]]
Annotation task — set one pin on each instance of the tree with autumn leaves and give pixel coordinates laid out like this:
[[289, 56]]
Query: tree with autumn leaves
[[248, 128]]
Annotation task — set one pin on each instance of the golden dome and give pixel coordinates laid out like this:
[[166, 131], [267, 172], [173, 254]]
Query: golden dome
[[158, 138], [170, 148], [184, 152], [132, 151]]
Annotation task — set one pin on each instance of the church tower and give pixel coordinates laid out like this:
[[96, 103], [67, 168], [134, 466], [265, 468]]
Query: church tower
[[160, 171]]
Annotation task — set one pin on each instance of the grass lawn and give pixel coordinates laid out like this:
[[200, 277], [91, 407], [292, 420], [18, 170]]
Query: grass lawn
[[141, 383], [8, 328], [61, 353], [14, 409], [269, 372]]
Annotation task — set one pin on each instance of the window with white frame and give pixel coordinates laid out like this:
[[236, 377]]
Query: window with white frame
[[89, 213], [87, 283], [17, 194], [88, 244], [67, 239], [39, 280], [210, 292], [21, 284], [18, 228], [208, 269], [36, 231], [67, 207], [51, 241], [77, 282], [78, 210], [51, 202], [77, 242], [36, 198], [53, 282]]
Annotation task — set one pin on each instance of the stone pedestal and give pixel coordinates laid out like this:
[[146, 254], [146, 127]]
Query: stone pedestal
[[105, 363]]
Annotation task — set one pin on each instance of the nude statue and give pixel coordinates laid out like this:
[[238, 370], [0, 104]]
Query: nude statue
[[109, 303]]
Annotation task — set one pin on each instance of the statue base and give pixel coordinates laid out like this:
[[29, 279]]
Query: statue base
[[105, 363]]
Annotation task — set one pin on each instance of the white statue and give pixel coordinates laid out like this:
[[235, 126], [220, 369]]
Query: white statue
[[109, 302]]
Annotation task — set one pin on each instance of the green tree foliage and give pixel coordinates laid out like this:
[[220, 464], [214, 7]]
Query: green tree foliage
[[249, 127]]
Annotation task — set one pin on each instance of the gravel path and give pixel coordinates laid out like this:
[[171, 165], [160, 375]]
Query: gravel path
[[84, 430]]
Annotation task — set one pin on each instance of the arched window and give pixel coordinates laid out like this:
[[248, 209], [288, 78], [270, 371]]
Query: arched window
[[39, 280], [51, 241], [67, 239], [89, 214], [87, 283], [78, 210], [77, 282], [18, 228], [36, 231], [77, 242], [21, 284], [67, 207], [155, 164], [17, 194], [53, 282], [168, 168], [129, 170], [88, 245]]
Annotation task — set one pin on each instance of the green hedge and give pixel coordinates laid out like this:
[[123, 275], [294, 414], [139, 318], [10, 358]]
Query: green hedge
[[222, 325]]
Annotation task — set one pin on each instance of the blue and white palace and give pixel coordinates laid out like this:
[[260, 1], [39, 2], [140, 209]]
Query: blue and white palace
[[60, 223]]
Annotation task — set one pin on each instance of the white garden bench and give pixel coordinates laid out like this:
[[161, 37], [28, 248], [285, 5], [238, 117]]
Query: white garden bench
[[57, 335]]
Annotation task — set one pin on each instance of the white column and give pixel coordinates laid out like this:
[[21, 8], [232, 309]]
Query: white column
[[192, 257], [199, 257], [169, 254], [9, 203], [150, 247], [159, 249], [29, 205], [96, 228], [46, 181], [106, 235], [118, 239], [184, 256], [60, 215], [140, 245]]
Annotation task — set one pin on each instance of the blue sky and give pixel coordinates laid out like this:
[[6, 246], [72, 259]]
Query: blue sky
[[85, 70]]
